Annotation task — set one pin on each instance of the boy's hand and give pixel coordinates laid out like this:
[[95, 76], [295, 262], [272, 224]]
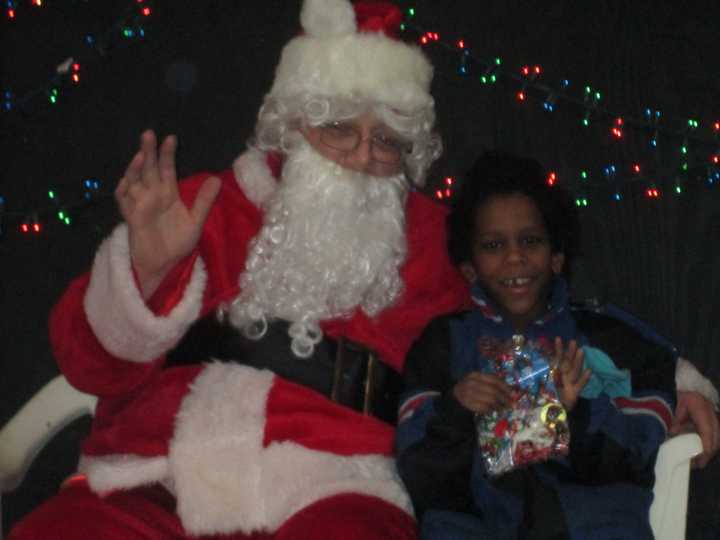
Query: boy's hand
[[482, 392], [570, 378]]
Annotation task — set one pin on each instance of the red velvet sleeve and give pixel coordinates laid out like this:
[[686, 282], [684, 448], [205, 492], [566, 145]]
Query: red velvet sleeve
[[81, 357], [232, 222]]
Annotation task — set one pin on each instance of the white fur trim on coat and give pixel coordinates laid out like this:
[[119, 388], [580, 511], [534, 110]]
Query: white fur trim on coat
[[332, 59], [689, 379], [117, 313], [254, 176], [226, 480], [120, 471]]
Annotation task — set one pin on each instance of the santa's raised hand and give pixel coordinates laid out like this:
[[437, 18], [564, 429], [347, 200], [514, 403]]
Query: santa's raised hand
[[162, 230]]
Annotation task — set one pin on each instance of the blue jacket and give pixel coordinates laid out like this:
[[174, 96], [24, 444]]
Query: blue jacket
[[602, 490]]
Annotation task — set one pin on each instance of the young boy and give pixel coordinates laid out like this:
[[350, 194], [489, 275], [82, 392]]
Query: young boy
[[512, 236]]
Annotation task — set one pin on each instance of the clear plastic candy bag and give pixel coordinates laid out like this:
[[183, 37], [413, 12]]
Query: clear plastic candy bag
[[535, 427]]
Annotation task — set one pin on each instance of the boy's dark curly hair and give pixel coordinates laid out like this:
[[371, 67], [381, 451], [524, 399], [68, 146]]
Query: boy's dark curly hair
[[500, 173]]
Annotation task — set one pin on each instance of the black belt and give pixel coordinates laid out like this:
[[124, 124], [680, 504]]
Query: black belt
[[344, 371], [363, 382]]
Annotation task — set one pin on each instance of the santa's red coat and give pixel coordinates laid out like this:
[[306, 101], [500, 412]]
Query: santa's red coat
[[241, 448]]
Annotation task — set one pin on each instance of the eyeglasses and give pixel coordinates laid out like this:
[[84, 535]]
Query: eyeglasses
[[346, 137]]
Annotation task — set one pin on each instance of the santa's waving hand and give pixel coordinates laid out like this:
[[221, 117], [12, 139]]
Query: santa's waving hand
[[161, 229]]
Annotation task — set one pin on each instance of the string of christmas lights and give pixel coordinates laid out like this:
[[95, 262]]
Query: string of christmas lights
[[58, 210], [11, 7], [527, 81], [128, 28], [125, 30]]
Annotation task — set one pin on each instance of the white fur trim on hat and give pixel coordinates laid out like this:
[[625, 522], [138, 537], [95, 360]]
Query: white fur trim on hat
[[332, 59], [254, 176], [118, 315], [689, 379]]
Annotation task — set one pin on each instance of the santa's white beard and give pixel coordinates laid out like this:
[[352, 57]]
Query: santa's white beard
[[332, 240]]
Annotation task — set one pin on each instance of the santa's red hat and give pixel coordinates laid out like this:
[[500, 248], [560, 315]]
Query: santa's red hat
[[352, 50]]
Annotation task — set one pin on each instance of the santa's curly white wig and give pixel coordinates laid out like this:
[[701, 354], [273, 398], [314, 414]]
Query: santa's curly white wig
[[345, 63], [280, 118]]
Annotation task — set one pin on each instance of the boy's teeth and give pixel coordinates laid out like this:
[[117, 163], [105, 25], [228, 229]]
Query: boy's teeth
[[517, 282]]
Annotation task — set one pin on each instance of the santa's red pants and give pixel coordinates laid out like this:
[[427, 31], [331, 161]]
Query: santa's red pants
[[148, 513]]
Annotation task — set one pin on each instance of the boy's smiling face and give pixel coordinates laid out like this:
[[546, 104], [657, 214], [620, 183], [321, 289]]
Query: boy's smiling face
[[512, 257]]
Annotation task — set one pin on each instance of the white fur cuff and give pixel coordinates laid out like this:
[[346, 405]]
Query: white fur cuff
[[117, 313], [689, 379], [121, 471]]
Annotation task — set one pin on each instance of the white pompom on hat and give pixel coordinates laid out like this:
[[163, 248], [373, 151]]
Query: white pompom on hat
[[352, 50]]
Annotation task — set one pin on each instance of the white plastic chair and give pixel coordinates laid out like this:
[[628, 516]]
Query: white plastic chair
[[57, 404], [52, 408], [668, 513]]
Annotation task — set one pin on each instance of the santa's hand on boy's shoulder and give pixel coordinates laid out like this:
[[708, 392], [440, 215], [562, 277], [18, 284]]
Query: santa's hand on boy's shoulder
[[482, 393], [696, 414], [570, 377]]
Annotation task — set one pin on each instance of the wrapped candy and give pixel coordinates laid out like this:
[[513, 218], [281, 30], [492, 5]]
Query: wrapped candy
[[535, 426]]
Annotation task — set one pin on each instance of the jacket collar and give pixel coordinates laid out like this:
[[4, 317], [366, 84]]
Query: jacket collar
[[557, 303]]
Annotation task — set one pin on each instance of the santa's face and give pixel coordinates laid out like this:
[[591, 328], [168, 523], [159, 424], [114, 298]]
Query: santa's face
[[332, 241], [362, 144]]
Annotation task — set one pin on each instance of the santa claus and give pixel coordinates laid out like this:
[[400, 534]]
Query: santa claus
[[324, 265]]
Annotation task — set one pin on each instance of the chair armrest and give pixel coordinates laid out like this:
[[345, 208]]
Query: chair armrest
[[668, 513], [52, 408]]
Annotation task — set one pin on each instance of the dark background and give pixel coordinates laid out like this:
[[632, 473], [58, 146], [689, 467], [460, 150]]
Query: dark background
[[202, 68]]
